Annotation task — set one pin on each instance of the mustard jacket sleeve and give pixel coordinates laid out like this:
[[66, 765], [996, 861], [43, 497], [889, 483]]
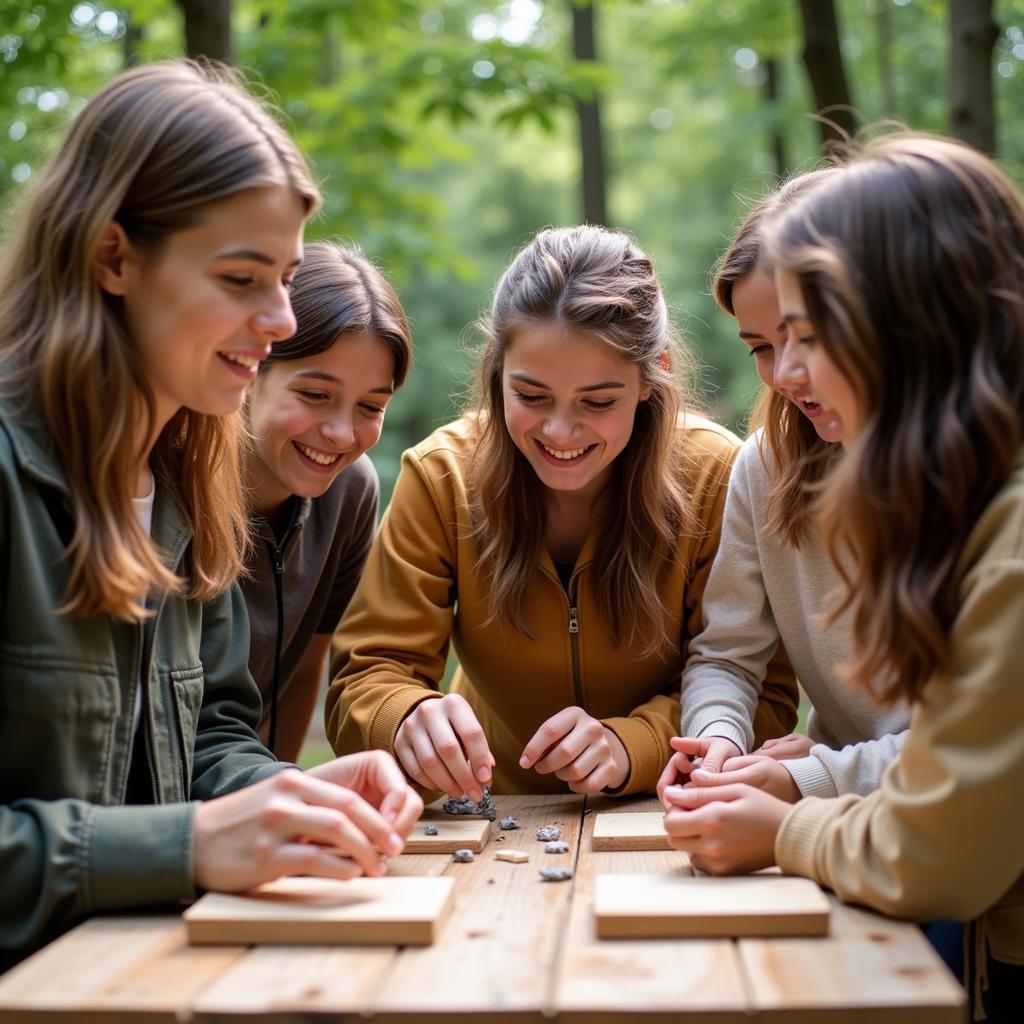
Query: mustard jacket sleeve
[[943, 837], [390, 649], [646, 731]]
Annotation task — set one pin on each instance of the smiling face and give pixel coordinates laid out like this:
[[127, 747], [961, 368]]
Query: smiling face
[[805, 367], [313, 417], [761, 326], [203, 310], [570, 401]]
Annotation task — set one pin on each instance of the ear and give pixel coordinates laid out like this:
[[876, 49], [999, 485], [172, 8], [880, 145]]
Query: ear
[[110, 257], [645, 392]]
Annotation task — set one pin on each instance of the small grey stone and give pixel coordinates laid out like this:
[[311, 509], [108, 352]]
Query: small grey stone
[[506, 824], [558, 847], [463, 856], [430, 830], [463, 805], [548, 833], [555, 874]]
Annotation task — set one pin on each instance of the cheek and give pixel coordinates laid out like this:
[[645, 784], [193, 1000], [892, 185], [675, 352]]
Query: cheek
[[369, 435], [518, 419], [765, 367]]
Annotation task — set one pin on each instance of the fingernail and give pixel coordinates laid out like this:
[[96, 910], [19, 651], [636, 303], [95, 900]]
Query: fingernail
[[394, 843], [482, 774], [675, 791], [524, 762], [700, 775]]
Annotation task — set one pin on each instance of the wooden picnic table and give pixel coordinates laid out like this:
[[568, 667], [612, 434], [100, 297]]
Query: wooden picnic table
[[514, 949]]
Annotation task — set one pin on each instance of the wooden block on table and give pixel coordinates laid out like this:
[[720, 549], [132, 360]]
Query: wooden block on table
[[682, 906], [391, 911], [622, 830], [512, 856], [453, 833]]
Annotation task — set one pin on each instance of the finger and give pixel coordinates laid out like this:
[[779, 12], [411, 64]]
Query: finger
[[670, 776], [597, 780], [289, 821], [315, 861], [445, 742], [474, 743], [718, 752], [580, 767], [366, 818], [548, 735], [692, 746], [693, 797], [433, 767], [585, 733], [737, 772], [410, 764], [403, 809]]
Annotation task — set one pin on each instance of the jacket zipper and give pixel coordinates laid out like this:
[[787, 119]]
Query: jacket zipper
[[574, 626], [277, 562]]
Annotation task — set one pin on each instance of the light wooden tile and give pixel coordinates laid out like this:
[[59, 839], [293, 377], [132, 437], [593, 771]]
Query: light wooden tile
[[630, 830], [453, 833]]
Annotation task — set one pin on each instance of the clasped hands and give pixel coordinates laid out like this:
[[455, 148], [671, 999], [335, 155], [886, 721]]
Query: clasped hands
[[724, 808], [442, 746]]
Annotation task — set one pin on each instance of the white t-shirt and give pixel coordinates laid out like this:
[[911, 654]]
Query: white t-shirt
[[143, 508]]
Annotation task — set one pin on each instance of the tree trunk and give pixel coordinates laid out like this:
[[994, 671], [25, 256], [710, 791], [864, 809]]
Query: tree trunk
[[973, 33], [208, 28], [589, 112], [824, 61], [778, 137]]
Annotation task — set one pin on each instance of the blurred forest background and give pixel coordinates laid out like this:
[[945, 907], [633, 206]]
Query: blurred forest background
[[445, 132]]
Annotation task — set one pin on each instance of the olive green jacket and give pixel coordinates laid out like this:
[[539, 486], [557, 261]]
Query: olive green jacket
[[68, 845]]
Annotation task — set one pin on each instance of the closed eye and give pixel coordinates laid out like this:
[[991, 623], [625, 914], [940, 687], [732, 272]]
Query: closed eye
[[529, 399], [315, 396], [599, 403]]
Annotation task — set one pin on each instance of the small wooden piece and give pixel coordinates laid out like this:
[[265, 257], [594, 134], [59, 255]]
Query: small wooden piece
[[625, 830], [453, 833], [675, 905], [391, 911], [512, 856]]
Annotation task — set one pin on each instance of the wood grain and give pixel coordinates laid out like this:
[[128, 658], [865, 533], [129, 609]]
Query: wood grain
[[674, 904], [361, 911], [453, 833], [630, 830]]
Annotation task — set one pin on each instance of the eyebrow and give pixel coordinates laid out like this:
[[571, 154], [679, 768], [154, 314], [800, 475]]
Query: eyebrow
[[387, 389], [524, 379], [255, 255], [790, 318], [753, 334]]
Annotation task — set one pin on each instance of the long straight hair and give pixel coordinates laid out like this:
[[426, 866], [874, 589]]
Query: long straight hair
[[800, 458], [911, 263], [151, 151], [598, 282]]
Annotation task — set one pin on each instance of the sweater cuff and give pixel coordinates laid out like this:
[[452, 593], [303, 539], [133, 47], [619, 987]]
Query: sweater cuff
[[644, 755], [799, 836], [138, 855], [724, 729], [393, 711], [811, 776]]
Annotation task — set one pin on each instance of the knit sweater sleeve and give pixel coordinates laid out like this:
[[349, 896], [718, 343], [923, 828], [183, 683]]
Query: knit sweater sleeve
[[855, 768], [729, 659]]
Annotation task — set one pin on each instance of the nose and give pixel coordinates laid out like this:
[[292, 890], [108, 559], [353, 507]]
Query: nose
[[788, 371], [276, 321], [339, 431], [561, 426]]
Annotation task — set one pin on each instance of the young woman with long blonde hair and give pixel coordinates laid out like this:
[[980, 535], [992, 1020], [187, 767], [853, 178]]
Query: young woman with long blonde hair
[[559, 536], [901, 281], [146, 279]]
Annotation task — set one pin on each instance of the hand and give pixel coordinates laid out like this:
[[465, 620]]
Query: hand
[[579, 750], [726, 830], [786, 748], [442, 746], [375, 776], [281, 826], [764, 773], [712, 751]]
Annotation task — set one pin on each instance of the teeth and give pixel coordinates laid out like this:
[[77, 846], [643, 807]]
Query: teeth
[[564, 454], [320, 458], [246, 361]]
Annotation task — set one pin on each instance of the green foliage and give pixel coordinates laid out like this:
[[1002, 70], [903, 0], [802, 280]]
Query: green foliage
[[444, 133]]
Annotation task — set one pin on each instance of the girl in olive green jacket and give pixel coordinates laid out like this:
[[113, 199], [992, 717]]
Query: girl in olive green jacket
[[901, 280], [146, 280]]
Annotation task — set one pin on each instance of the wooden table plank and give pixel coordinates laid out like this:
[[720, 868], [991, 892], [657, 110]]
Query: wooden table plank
[[598, 981], [869, 968], [494, 955], [123, 969], [285, 983]]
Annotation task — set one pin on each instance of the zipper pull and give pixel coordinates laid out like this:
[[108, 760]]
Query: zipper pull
[[574, 623], [278, 566]]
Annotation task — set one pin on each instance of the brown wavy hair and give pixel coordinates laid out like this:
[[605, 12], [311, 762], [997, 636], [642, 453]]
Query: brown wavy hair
[[800, 457], [151, 151], [594, 280], [337, 291], [911, 261]]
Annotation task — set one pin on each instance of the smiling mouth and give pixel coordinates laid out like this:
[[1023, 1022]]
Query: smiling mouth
[[565, 456], [322, 459]]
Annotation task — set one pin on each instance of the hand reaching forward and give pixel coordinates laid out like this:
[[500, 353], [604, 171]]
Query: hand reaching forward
[[726, 830], [334, 821], [756, 770], [709, 753], [579, 750], [786, 748], [442, 746]]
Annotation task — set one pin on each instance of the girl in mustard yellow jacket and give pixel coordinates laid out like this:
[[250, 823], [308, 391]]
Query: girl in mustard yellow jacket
[[559, 535], [901, 279]]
